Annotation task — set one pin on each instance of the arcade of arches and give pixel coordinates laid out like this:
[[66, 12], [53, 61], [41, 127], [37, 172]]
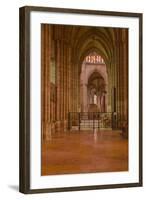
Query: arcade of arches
[[83, 70]]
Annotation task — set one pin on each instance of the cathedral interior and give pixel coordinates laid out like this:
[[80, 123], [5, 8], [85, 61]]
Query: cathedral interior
[[84, 99]]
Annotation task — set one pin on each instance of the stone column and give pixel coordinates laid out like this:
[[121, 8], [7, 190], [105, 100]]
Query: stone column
[[125, 72], [69, 79], [118, 82], [85, 96], [58, 82], [81, 97], [73, 87], [106, 98], [65, 86], [45, 81], [121, 79], [109, 86], [76, 87], [62, 87]]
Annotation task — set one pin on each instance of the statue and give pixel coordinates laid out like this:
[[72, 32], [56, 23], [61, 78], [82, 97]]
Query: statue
[[95, 99]]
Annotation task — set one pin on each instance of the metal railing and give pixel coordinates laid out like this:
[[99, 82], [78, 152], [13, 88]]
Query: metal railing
[[90, 120]]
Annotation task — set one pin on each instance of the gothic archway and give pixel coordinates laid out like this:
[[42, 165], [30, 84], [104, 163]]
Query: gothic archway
[[93, 84], [96, 90]]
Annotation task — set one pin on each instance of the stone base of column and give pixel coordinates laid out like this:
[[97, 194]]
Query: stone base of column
[[57, 126], [125, 127], [52, 128], [65, 125], [46, 131], [125, 130], [60, 126]]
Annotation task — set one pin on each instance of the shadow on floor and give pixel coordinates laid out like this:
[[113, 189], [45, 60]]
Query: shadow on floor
[[14, 187]]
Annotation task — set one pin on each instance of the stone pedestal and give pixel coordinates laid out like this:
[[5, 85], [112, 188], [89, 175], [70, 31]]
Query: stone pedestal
[[46, 130]]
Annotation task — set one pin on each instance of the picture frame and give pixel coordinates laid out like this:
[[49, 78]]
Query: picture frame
[[29, 152]]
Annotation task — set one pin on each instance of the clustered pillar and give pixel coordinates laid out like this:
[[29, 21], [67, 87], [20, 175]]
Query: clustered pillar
[[45, 82], [120, 78], [60, 97]]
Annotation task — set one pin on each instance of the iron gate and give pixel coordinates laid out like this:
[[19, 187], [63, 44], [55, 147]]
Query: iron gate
[[90, 120]]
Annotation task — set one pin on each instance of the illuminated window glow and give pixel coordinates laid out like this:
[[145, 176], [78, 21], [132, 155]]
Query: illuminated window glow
[[95, 59]]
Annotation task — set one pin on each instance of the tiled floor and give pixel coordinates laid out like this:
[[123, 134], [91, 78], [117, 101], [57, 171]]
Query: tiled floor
[[85, 152]]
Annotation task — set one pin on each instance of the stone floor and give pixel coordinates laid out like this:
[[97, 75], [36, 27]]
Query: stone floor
[[84, 152]]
